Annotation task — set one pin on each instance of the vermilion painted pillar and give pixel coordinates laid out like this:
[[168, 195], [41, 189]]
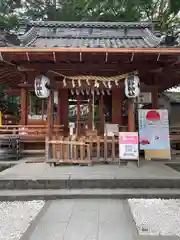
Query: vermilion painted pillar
[[117, 106], [131, 117], [24, 106], [154, 95]]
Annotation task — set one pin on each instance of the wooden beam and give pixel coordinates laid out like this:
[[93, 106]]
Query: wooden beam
[[15, 92], [90, 50], [100, 65]]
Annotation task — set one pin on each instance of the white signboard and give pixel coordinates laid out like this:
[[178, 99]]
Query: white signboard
[[111, 129], [128, 145], [144, 97]]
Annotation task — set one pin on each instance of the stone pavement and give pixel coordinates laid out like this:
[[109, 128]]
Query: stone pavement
[[42, 176], [79, 219], [83, 220], [147, 170]]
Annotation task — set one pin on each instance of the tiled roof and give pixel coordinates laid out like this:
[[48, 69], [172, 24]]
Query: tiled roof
[[8, 40], [88, 34], [174, 97]]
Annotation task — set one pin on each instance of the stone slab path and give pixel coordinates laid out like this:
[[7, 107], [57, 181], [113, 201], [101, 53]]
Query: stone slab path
[[86, 219], [83, 220]]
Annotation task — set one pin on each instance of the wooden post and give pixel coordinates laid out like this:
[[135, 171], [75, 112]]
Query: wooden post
[[131, 118], [24, 106], [64, 110], [154, 94], [50, 123], [59, 109], [117, 106], [50, 120], [101, 114], [90, 114], [78, 115]]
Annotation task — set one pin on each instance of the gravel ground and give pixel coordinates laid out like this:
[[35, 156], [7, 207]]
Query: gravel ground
[[15, 217], [156, 216]]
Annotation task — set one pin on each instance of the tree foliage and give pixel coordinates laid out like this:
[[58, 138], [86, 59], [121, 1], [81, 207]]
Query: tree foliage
[[8, 14], [165, 12]]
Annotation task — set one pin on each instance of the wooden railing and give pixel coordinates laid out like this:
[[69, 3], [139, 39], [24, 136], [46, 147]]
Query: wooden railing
[[82, 150], [29, 132]]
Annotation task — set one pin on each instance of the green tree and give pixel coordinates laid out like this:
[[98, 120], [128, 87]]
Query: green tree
[[8, 14], [165, 12]]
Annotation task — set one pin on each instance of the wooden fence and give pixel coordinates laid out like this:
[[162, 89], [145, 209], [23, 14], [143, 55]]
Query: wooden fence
[[83, 150], [29, 132]]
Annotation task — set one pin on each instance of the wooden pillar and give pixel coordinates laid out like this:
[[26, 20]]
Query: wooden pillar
[[64, 110], [131, 117], [90, 114], [50, 120], [78, 115], [59, 109], [101, 114], [24, 106], [154, 95], [117, 106]]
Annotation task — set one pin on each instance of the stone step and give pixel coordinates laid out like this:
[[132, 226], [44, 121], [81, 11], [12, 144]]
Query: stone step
[[11, 195], [91, 183]]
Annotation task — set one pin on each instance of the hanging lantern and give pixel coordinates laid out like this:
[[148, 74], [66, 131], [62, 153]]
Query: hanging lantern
[[41, 85], [132, 86]]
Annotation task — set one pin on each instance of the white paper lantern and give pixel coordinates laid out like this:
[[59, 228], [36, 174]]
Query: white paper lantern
[[132, 86], [41, 84]]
